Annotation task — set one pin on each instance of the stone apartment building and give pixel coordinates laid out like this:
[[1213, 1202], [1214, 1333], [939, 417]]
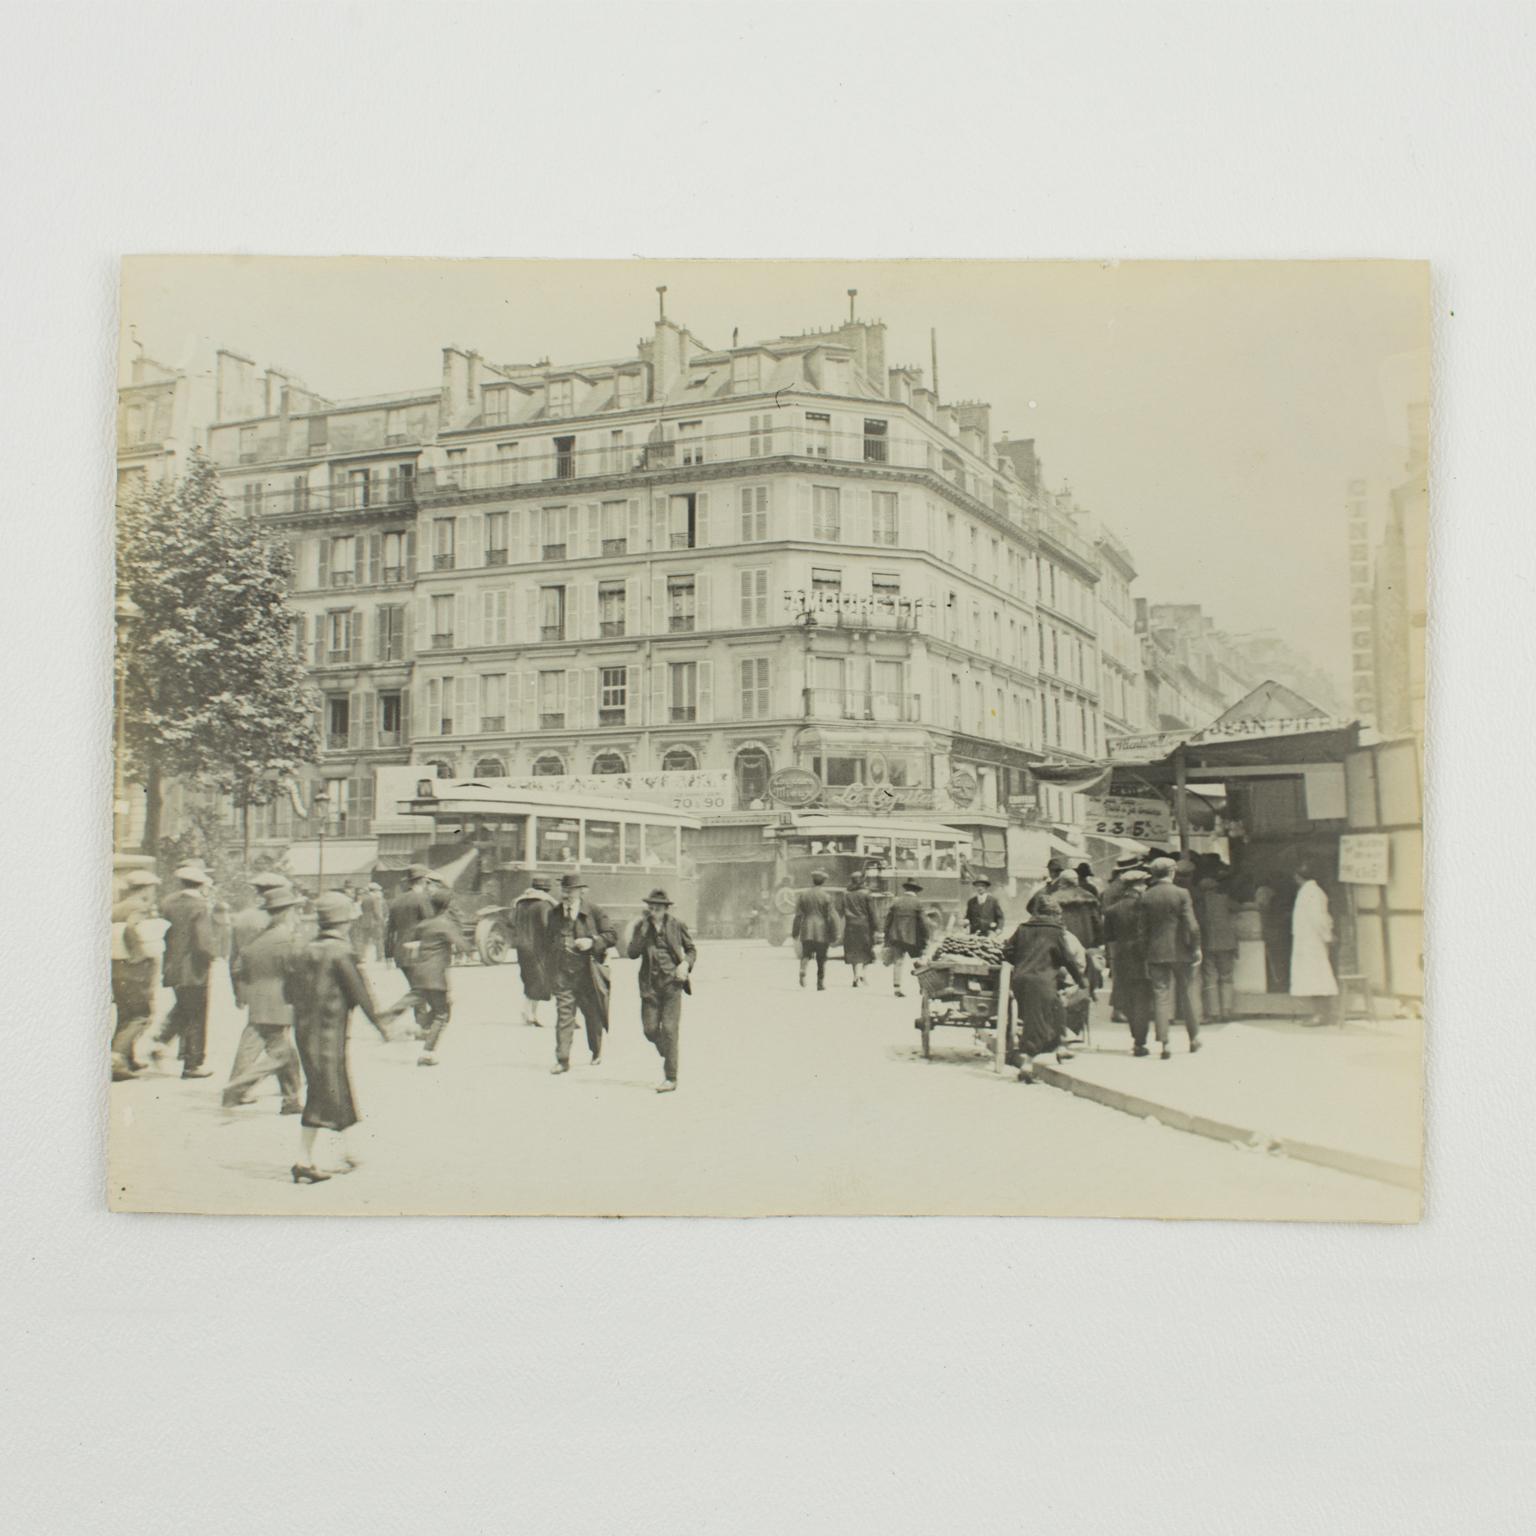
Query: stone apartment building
[[784, 553]]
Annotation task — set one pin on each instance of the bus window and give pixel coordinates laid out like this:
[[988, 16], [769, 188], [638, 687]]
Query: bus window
[[510, 841], [558, 839], [632, 849], [661, 847], [926, 854], [877, 849], [602, 842], [945, 860], [906, 853]]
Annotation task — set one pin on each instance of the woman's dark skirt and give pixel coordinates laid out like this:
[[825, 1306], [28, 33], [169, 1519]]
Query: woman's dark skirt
[[328, 1102], [858, 944], [535, 982], [1038, 1016]]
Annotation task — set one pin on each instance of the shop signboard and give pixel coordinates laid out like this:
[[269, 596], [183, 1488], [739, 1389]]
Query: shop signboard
[[1143, 818], [1363, 858], [794, 787]]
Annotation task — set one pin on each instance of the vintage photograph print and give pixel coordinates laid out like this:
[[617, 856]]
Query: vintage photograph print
[[769, 738]]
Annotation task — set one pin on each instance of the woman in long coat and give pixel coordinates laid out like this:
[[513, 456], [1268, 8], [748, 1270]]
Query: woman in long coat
[[1037, 950], [858, 927], [530, 919], [324, 985], [1311, 933]]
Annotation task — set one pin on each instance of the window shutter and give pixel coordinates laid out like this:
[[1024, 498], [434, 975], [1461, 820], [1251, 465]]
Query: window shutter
[[422, 698], [802, 528], [658, 624], [586, 615], [410, 554], [594, 544], [658, 693], [904, 524], [468, 538], [370, 715], [355, 720], [701, 519], [375, 558], [407, 725], [460, 619], [423, 623], [634, 528], [706, 677], [357, 634], [466, 719], [322, 623], [633, 596], [473, 613], [659, 537], [325, 563], [586, 716], [531, 625], [855, 515], [532, 533], [702, 583], [747, 580], [359, 560], [633, 678]]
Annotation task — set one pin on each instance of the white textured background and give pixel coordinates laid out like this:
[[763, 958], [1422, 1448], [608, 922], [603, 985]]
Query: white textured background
[[164, 1374]]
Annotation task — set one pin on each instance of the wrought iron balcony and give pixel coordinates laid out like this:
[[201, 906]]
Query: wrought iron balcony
[[857, 704]]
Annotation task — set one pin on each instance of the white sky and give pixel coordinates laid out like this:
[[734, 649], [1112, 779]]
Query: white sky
[[1210, 412]]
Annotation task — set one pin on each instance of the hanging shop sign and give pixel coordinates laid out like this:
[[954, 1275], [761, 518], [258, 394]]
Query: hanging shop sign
[[1145, 819], [1364, 858], [794, 787]]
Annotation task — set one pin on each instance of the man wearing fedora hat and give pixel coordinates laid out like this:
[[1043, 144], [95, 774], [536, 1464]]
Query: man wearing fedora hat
[[409, 909], [259, 971], [816, 927], [665, 950], [251, 920], [906, 931], [983, 912], [191, 946], [577, 938]]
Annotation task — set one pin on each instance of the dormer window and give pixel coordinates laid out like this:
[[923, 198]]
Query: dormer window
[[496, 403], [561, 396], [747, 373]]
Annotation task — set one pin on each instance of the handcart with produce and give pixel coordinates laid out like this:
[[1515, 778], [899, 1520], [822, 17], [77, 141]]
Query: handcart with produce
[[965, 984]]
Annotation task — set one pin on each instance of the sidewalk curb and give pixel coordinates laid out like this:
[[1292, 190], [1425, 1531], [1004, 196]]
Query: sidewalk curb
[[1400, 1174]]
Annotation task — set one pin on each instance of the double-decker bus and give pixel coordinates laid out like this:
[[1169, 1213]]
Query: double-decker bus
[[887, 850], [489, 842]]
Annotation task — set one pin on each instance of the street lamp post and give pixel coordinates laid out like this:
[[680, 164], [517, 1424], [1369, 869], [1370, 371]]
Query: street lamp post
[[320, 803]]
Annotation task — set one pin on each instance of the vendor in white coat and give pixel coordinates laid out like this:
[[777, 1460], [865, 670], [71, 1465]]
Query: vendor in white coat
[[1311, 933]]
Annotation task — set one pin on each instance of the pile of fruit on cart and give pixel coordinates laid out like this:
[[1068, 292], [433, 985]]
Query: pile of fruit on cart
[[969, 946]]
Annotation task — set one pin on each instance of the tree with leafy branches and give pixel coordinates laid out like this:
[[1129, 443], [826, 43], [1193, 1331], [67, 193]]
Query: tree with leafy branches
[[213, 690]]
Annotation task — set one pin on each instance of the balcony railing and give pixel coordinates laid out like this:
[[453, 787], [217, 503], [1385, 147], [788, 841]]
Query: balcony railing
[[856, 704], [394, 494], [683, 714], [611, 629], [496, 556], [443, 640], [600, 457], [492, 724], [442, 562], [549, 721]]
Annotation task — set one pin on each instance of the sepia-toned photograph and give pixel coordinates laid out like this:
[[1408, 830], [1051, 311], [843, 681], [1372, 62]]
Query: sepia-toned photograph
[[750, 738]]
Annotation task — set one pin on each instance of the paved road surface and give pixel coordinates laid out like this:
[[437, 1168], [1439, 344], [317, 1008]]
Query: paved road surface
[[791, 1101]]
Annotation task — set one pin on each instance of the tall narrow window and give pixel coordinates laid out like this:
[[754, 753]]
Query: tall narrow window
[[681, 612], [754, 688], [496, 614], [760, 435], [883, 516], [551, 701], [690, 441], [443, 543], [754, 513], [683, 690], [565, 458], [615, 528], [442, 621], [555, 524], [682, 521], [613, 696], [493, 702], [754, 597], [827, 516], [552, 613], [496, 538], [561, 395], [876, 448], [611, 604]]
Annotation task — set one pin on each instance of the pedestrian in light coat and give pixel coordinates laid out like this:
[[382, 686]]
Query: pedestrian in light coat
[[815, 928], [192, 944], [577, 939], [667, 956], [251, 920], [906, 932], [1311, 974], [259, 972], [1171, 938]]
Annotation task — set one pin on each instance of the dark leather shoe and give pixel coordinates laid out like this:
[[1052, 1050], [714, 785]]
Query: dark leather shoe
[[197, 1072], [291, 1109], [303, 1175], [1141, 1050], [1194, 1045]]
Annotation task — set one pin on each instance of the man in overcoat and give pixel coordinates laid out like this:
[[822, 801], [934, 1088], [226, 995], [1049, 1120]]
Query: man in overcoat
[[1171, 938], [135, 971], [666, 952], [906, 931], [408, 909], [259, 972], [191, 947], [1130, 995], [577, 939], [251, 920], [815, 927], [983, 913]]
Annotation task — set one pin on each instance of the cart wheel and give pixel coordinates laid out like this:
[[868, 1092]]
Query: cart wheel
[[927, 1029]]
